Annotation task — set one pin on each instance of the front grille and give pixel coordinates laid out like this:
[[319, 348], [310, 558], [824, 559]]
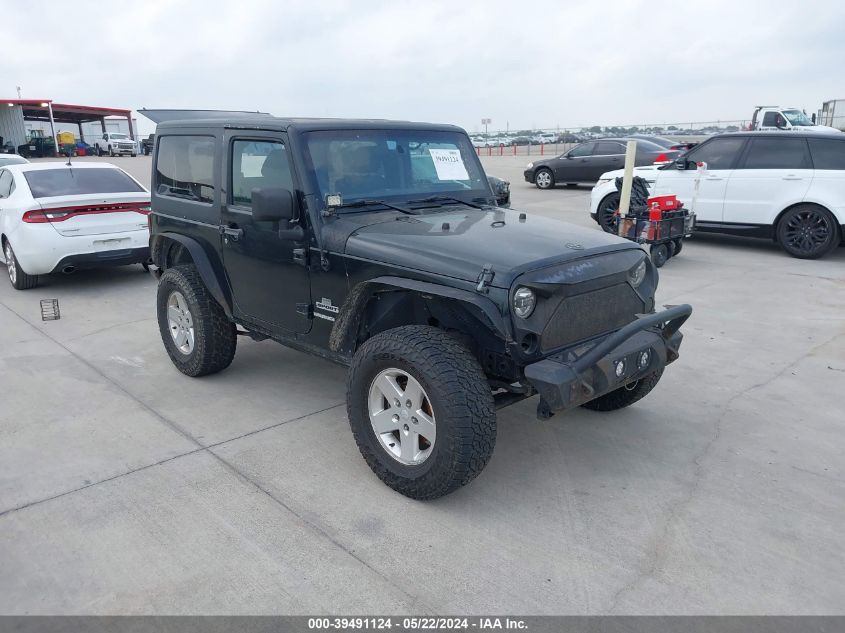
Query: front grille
[[590, 314]]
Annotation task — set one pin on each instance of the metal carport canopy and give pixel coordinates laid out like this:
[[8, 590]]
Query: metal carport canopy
[[39, 110]]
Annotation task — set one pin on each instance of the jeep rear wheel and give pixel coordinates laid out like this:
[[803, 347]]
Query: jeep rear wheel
[[625, 396], [421, 411], [195, 330]]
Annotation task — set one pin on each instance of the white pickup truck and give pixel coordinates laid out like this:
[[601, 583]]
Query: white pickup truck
[[774, 118], [115, 143]]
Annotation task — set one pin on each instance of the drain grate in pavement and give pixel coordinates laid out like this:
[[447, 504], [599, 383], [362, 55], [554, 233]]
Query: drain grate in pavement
[[50, 310]]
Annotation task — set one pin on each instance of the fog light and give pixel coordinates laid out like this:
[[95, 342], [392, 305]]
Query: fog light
[[620, 368], [643, 360]]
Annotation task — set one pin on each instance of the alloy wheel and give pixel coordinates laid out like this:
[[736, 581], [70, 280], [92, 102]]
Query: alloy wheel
[[544, 180], [10, 263], [807, 231], [180, 322], [402, 416]]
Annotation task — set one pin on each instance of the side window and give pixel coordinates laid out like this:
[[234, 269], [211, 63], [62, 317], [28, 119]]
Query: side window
[[719, 153], [185, 168], [585, 149], [255, 164], [7, 184], [608, 148], [777, 153], [827, 154], [770, 119]]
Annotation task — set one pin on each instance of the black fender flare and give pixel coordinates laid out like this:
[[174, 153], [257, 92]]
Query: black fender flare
[[210, 276], [344, 332]]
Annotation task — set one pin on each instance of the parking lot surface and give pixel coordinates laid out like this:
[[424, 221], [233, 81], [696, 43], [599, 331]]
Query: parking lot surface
[[126, 487]]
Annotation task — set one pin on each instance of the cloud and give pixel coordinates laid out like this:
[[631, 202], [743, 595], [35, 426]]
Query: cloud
[[522, 64]]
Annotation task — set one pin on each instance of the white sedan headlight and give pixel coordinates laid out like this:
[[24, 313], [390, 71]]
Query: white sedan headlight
[[524, 301], [602, 181]]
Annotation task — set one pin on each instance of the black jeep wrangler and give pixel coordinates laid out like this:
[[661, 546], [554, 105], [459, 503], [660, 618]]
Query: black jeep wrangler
[[379, 245]]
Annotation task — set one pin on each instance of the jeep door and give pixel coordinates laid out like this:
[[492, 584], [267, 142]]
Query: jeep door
[[269, 280]]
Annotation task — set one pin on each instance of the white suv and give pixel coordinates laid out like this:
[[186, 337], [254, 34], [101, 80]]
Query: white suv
[[789, 188]]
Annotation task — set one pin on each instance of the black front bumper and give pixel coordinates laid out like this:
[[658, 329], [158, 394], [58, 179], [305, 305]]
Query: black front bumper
[[529, 175], [104, 259], [571, 378]]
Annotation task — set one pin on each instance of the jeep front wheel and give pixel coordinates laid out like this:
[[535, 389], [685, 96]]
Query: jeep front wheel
[[197, 334], [421, 411]]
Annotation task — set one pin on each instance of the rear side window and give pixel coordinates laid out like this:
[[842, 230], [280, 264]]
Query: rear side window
[[185, 168], [827, 154], [720, 153], [46, 183], [777, 153], [7, 184], [606, 148]]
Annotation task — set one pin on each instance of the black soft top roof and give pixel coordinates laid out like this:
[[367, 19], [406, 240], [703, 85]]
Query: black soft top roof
[[168, 119]]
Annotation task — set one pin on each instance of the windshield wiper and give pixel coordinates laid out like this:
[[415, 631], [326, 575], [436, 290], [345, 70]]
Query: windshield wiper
[[446, 199], [367, 203]]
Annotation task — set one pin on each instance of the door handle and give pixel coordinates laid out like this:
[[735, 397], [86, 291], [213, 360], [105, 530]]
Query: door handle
[[231, 231], [792, 177], [714, 178]]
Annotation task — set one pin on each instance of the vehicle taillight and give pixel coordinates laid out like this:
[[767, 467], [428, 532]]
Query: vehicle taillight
[[65, 213], [40, 217], [661, 159]]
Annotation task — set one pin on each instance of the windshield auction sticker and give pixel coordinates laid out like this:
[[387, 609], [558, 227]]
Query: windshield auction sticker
[[449, 164]]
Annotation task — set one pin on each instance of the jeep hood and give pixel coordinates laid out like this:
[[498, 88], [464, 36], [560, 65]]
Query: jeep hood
[[475, 238]]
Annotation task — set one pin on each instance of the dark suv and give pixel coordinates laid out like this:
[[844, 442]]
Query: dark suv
[[378, 245]]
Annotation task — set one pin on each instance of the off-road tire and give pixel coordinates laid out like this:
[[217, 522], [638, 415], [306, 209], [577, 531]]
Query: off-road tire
[[215, 337], [625, 396], [22, 280], [817, 219], [541, 182], [461, 401]]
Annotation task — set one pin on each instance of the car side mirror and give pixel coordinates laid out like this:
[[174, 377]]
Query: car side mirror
[[272, 204], [681, 163]]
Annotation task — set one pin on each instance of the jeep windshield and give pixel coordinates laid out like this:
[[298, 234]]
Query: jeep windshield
[[422, 167], [118, 136], [796, 117]]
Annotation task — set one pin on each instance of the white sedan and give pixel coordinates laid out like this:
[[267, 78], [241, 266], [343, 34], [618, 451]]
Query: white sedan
[[60, 218]]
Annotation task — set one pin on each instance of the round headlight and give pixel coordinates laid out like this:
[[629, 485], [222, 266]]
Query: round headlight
[[529, 165], [637, 274], [524, 301]]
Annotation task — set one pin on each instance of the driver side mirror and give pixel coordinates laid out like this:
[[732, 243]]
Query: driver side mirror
[[272, 204], [681, 163]]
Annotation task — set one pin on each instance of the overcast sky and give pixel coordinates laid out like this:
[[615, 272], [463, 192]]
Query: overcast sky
[[522, 64]]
